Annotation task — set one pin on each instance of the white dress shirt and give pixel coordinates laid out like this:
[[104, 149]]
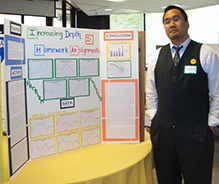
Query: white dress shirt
[[210, 64]]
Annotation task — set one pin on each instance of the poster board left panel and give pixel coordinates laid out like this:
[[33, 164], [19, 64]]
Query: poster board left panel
[[16, 100]]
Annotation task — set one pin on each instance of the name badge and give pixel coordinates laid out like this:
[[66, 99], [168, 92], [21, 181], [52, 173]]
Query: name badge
[[188, 69]]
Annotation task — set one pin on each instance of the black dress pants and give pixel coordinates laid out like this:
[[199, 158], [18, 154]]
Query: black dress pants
[[187, 154]]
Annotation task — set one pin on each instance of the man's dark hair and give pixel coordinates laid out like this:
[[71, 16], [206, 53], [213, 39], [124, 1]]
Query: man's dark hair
[[176, 7]]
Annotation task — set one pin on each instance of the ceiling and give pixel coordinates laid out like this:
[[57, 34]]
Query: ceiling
[[99, 7]]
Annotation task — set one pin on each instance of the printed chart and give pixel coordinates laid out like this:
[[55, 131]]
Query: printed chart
[[91, 136], [42, 126], [54, 89], [89, 67], [68, 142], [118, 50], [66, 67], [67, 122], [90, 118], [40, 69], [119, 69], [79, 87], [43, 147]]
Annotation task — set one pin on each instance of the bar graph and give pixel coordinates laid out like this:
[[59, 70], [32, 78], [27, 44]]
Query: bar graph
[[117, 53], [118, 50]]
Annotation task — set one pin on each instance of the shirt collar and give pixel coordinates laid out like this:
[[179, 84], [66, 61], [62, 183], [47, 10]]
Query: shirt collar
[[184, 44]]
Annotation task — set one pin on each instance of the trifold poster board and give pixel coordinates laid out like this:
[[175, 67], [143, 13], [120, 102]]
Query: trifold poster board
[[68, 89]]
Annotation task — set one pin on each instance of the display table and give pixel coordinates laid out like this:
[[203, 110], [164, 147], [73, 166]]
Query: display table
[[100, 164]]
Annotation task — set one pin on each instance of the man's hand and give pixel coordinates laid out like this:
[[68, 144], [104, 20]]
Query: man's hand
[[212, 129]]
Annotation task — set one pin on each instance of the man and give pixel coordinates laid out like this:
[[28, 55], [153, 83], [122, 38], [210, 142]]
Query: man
[[178, 90]]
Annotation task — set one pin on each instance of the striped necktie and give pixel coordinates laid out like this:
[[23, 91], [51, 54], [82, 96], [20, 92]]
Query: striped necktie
[[176, 57]]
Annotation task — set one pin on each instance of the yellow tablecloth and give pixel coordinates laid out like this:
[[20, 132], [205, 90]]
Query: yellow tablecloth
[[100, 164]]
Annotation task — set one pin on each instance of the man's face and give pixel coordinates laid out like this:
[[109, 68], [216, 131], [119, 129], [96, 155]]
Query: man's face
[[175, 26]]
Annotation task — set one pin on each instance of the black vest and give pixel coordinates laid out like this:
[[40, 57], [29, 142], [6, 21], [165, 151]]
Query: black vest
[[183, 99]]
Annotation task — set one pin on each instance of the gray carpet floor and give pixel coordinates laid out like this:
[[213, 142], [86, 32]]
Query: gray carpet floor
[[215, 175]]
